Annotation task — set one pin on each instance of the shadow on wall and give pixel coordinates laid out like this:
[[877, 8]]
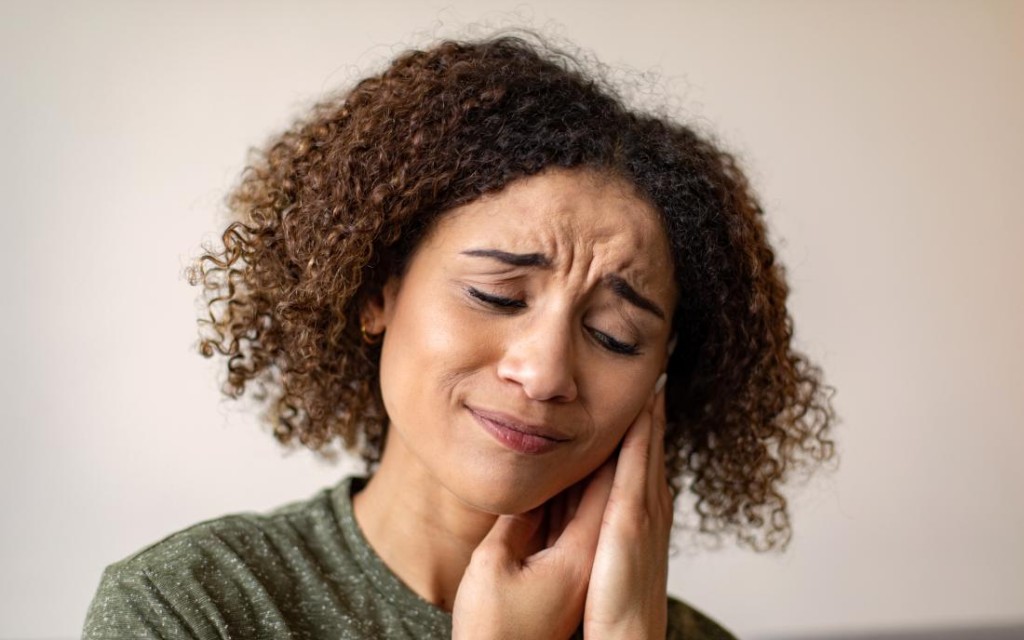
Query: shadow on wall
[[1002, 632]]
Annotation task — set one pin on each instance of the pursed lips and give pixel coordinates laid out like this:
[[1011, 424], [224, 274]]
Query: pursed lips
[[522, 426]]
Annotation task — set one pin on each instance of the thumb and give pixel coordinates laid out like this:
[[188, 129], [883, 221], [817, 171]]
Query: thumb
[[513, 537], [581, 533]]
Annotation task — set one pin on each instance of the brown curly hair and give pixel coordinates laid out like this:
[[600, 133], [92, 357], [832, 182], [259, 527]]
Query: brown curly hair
[[331, 208]]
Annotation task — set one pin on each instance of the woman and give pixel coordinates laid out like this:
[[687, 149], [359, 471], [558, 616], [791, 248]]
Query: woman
[[539, 316]]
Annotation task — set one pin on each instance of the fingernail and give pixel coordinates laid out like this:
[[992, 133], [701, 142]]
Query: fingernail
[[661, 382]]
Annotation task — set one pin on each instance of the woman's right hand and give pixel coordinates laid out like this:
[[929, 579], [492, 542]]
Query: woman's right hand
[[527, 580]]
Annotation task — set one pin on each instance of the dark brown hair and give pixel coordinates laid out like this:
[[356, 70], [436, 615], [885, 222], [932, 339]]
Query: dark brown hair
[[335, 205]]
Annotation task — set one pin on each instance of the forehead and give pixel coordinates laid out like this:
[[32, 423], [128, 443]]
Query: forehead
[[565, 214]]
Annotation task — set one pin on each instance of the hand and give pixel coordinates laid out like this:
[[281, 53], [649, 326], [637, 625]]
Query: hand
[[527, 580], [627, 595]]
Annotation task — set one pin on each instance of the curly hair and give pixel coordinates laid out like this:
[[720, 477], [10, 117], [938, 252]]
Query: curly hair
[[331, 208]]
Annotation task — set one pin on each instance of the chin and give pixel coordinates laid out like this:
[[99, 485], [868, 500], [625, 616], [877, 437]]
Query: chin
[[500, 492], [503, 505]]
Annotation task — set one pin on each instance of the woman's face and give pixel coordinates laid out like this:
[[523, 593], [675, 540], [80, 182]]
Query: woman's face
[[525, 337]]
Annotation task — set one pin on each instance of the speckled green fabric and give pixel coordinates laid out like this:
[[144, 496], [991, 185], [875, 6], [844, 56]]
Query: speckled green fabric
[[301, 572]]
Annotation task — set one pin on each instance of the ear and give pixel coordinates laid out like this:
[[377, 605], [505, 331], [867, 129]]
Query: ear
[[377, 311]]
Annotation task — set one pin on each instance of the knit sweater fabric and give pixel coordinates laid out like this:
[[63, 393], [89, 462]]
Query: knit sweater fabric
[[303, 571]]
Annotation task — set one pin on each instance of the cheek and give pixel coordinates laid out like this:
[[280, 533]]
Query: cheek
[[616, 407], [429, 348]]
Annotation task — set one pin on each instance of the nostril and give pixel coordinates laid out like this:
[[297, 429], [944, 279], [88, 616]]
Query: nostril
[[540, 381]]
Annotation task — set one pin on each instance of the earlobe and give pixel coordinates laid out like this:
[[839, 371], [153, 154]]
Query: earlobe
[[377, 310]]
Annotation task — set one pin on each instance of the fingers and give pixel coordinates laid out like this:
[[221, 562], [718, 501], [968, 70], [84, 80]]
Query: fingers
[[556, 516], [582, 529], [640, 478], [573, 502], [561, 510], [512, 536], [659, 410], [656, 459], [630, 484]]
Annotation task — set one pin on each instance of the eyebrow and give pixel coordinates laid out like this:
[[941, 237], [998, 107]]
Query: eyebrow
[[514, 259], [616, 283]]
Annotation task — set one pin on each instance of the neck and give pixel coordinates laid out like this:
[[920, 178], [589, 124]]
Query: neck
[[421, 531]]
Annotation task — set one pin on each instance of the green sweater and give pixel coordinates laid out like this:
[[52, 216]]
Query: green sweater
[[301, 572]]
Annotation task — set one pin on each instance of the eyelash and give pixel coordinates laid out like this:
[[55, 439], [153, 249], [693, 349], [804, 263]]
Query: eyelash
[[609, 343]]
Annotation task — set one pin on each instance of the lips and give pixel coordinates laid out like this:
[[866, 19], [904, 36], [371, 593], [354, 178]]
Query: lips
[[516, 434]]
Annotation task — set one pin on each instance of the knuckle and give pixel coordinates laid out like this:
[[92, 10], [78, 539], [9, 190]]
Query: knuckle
[[489, 557], [636, 519]]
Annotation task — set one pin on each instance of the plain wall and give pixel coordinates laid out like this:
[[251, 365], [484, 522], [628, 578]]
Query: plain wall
[[886, 141]]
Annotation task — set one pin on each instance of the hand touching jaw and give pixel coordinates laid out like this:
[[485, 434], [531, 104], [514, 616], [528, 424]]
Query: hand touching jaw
[[597, 553]]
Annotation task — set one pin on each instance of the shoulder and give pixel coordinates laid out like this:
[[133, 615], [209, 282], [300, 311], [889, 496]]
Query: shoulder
[[230, 541], [184, 585], [687, 623]]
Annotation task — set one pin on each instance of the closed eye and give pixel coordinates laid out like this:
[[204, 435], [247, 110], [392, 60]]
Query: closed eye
[[497, 301], [616, 346], [606, 340]]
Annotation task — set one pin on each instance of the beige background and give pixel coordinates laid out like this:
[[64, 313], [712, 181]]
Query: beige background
[[887, 141]]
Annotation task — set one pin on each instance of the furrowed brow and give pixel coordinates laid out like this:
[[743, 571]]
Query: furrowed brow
[[514, 259], [622, 289], [616, 283]]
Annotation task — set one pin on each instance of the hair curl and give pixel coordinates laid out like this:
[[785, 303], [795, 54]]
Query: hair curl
[[334, 206]]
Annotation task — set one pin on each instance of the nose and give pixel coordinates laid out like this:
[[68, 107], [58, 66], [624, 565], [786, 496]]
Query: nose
[[539, 358]]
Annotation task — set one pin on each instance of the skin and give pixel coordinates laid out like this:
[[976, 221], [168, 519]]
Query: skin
[[523, 545]]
